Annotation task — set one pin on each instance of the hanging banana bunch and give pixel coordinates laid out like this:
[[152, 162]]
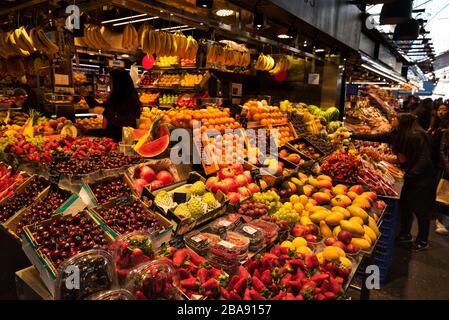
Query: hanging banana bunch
[[265, 63]]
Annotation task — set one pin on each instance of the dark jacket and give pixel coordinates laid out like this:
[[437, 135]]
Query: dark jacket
[[116, 120], [424, 116], [443, 163], [419, 187]]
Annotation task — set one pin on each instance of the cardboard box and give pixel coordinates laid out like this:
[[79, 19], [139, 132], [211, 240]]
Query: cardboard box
[[160, 238], [45, 267]]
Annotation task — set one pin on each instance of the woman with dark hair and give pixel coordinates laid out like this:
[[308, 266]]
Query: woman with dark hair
[[424, 113], [123, 107], [412, 146]]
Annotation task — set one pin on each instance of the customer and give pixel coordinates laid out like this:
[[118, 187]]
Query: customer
[[89, 98], [411, 143], [122, 108], [424, 113]]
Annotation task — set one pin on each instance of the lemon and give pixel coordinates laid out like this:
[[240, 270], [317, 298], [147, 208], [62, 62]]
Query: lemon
[[288, 244], [304, 250], [299, 242]]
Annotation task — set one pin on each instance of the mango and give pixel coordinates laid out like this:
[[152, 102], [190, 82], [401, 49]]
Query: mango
[[367, 238], [373, 225], [371, 234], [316, 217], [334, 219], [357, 220], [358, 212], [345, 212], [361, 243], [336, 231], [355, 229], [326, 232], [305, 220], [299, 242], [345, 262], [304, 250], [316, 208], [332, 253]]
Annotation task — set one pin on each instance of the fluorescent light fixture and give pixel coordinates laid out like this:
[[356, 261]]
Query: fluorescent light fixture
[[370, 82], [125, 18], [186, 29], [224, 12], [89, 65], [173, 28], [135, 21], [284, 36], [319, 50], [125, 55], [384, 74]]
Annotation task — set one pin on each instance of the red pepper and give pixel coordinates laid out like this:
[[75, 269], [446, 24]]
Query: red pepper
[[210, 284], [241, 285], [256, 295], [225, 294], [258, 284], [203, 275]]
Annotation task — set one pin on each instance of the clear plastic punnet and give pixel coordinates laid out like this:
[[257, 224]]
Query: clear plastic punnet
[[118, 294], [257, 236]]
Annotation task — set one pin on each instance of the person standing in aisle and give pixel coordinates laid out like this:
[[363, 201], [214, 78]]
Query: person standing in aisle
[[424, 113], [412, 145], [123, 107]]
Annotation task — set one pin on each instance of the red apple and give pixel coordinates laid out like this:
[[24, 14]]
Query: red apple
[[147, 173], [226, 173], [312, 229], [238, 168], [217, 185], [248, 176], [165, 177], [244, 192], [210, 182], [280, 168], [139, 184], [241, 180], [339, 244], [352, 249], [329, 241], [298, 230], [357, 189], [311, 238], [345, 237], [234, 197], [156, 184], [230, 185], [381, 205], [253, 188]]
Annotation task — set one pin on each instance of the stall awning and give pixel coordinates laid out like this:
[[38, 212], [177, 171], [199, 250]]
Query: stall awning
[[382, 70]]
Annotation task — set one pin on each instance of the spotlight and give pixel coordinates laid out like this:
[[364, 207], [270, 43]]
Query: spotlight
[[224, 12], [205, 4], [259, 19]]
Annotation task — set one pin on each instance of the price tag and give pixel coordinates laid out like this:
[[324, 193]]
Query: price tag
[[198, 238], [224, 223], [249, 230], [226, 244]]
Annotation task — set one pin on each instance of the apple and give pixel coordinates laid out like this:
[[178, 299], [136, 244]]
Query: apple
[[352, 249], [253, 188], [165, 177], [248, 176], [312, 229], [216, 186], [147, 173], [230, 185], [226, 173], [321, 197], [241, 180], [139, 184], [156, 184], [340, 245], [357, 189], [211, 181], [244, 192], [280, 168], [234, 197], [345, 237], [238, 168], [329, 241], [298, 230], [311, 238], [381, 205]]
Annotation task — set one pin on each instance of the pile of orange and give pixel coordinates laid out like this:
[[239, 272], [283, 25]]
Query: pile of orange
[[264, 114], [231, 148], [285, 135]]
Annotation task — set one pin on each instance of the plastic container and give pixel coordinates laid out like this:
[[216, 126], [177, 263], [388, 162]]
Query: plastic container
[[231, 250], [155, 280], [119, 294], [256, 236], [130, 250], [200, 241], [271, 229], [85, 274]]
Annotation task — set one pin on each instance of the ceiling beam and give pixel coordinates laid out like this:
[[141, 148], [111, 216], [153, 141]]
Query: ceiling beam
[[21, 6]]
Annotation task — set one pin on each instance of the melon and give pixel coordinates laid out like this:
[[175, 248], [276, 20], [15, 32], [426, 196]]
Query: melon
[[139, 133], [154, 148], [332, 114]]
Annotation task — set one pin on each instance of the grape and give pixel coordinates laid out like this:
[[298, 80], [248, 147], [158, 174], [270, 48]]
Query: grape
[[287, 213]]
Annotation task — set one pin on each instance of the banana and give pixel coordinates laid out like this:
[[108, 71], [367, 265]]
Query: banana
[[142, 28], [51, 47], [154, 36], [35, 41], [20, 44], [174, 45], [168, 44], [16, 47], [4, 52], [99, 37], [134, 37], [210, 54], [193, 48], [145, 41], [125, 38], [25, 38], [161, 36]]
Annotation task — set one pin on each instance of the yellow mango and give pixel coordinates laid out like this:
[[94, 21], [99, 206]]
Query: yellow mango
[[373, 225], [345, 262], [316, 217], [345, 212], [320, 257], [357, 220], [358, 212], [334, 219], [367, 238], [371, 234], [316, 209], [305, 220], [326, 232], [329, 254], [336, 231], [355, 229], [361, 243]]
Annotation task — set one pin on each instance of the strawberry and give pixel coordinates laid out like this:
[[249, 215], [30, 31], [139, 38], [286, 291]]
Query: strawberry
[[122, 273], [344, 273], [276, 250], [325, 286], [258, 284], [241, 285], [320, 297], [137, 256], [284, 250], [329, 295], [242, 272], [195, 258], [289, 296], [190, 283], [297, 263], [267, 264], [284, 281], [257, 274], [233, 282], [318, 278], [215, 273], [300, 275], [308, 290], [247, 295], [203, 275], [279, 296], [139, 295], [234, 296], [183, 274], [284, 257], [299, 297], [295, 285], [335, 286], [256, 295], [311, 261], [179, 257], [210, 284], [266, 277], [225, 294], [251, 266]]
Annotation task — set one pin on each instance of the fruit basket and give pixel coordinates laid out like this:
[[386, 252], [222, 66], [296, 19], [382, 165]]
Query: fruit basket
[[96, 274], [127, 214], [130, 250], [40, 246], [106, 190], [155, 280]]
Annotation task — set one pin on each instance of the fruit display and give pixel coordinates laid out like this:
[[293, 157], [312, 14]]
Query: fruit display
[[19, 42], [342, 166], [12, 117], [225, 149], [79, 78], [9, 181], [90, 123], [366, 118], [62, 237], [305, 122], [105, 191], [148, 98], [263, 114], [167, 44], [197, 282], [284, 274], [227, 56], [127, 215], [265, 63], [23, 198], [165, 62], [377, 151], [146, 176], [209, 118], [340, 135], [169, 80], [155, 141], [94, 38], [148, 79], [42, 210], [191, 80], [235, 182], [96, 274], [130, 250], [307, 149], [291, 156]]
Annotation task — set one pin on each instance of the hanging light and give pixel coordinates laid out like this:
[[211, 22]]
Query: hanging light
[[407, 31], [396, 12], [205, 4], [259, 19]]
